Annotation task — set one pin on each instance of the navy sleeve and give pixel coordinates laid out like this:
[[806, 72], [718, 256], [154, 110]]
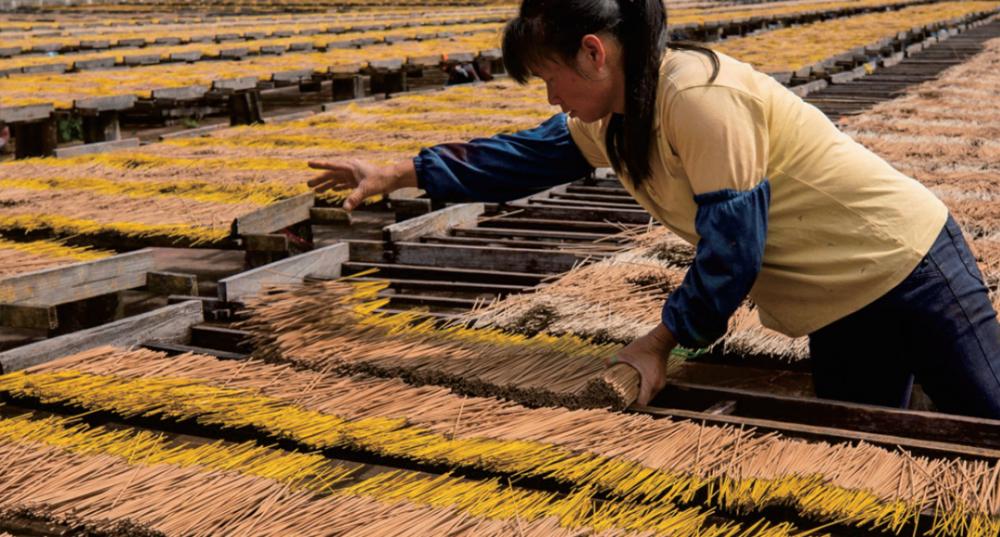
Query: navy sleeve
[[733, 229], [504, 167]]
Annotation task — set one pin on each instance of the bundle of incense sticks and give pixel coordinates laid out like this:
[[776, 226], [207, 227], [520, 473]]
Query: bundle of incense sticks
[[633, 458]]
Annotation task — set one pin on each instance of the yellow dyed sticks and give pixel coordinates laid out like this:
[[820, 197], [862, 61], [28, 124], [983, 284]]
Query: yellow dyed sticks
[[632, 457], [18, 257], [790, 49], [191, 189]]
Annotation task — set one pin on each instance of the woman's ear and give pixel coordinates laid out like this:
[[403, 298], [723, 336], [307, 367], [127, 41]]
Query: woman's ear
[[593, 52]]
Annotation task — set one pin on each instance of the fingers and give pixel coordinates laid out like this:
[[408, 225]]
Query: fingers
[[645, 392], [357, 196], [333, 179], [346, 165]]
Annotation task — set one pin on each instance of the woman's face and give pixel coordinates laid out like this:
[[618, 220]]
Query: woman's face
[[590, 90]]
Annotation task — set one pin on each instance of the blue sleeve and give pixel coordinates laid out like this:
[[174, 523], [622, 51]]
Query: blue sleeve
[[733, 229], [504, 167]]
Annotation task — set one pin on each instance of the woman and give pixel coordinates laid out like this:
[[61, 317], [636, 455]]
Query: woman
[[825, 237]]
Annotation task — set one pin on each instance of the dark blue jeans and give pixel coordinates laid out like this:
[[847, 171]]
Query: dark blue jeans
[[938, 326]]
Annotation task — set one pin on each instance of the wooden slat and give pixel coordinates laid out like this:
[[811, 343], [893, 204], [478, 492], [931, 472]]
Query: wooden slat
[[18, 114], [322, 263], [221, 338], [171, 283], [434, 222], [276, 216], [582, 204], [450, 286], [592, 214], [500, 232], [827, 434], [553, 224], [475, 257], [516, 243], [856, 417], [170, 324], [59, 285], [32, 317], [429, 300], [173, 349], [389, 270]]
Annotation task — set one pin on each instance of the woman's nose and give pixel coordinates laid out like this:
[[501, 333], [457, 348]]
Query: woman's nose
[[553, 100]]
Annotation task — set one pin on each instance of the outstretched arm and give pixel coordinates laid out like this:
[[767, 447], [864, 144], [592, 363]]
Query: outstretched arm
[[499, 168]]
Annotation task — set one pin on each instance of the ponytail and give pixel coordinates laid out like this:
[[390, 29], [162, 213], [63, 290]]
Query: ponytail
[[547, 28]]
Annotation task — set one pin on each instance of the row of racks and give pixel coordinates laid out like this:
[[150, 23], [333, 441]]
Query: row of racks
[[445, 260], [35, 127]]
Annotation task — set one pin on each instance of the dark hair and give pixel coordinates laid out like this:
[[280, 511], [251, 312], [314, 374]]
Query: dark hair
[[547, 29]]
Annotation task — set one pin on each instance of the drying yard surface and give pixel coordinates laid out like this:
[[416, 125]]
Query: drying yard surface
[[274, 366]]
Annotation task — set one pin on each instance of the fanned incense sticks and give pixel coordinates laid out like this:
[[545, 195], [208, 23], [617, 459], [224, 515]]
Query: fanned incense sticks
[[333, 326], [486, 500], [631, 457], [620, 298], [21, 257]]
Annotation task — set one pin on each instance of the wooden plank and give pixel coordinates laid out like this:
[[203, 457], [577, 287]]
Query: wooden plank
[[582, 204], [19, 114], [105, 104], [521, 243], [292, 77], [141, 59], [329, 215], [442, 285], [501, 232], [61, 67], [826, 434], [475, 257], [265, 242], [28, 316], [59, 285], [95, 44], [222, 338], [386, 270], [96, 63], [171, 283], [608, 228], [397, 299], [189, 56], [234, 53], [592, 214], [321, 263], [170, 324], [843, 415], [235, 84], [186, 93], [276, 216], [805, 89], [847, 76], [440, 221], [95, 148], [385, 66], [173, 349]]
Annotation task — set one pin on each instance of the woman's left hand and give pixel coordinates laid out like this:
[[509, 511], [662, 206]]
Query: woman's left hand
[[648, 355]]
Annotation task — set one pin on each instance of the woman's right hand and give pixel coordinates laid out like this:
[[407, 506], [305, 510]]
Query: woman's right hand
[[366, 179]]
